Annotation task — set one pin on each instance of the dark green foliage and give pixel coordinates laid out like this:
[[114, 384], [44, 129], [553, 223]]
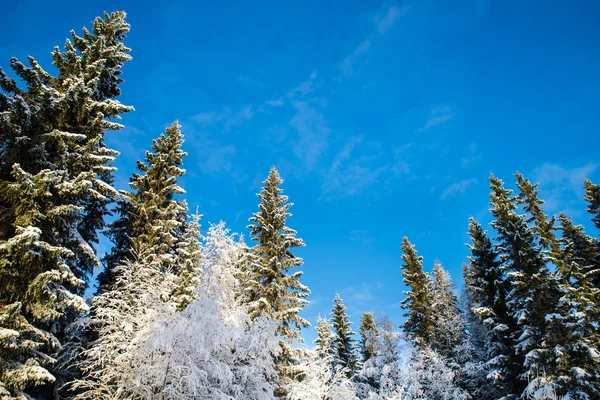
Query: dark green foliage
[[419, 325]]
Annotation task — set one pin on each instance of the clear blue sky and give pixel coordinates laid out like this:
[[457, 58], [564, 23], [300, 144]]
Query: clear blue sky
[[384, 119]]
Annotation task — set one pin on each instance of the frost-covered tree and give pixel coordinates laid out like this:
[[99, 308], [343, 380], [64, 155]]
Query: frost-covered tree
[[448, 319], [325, 337], [346, 356], [368, 332], [276, 290], [189, 258], [55, 180], [122, 319], [419, 325], [533, 290], [427, 375], [212, 349], [195, 354], [321, 382], [219, 268], [382, 370], [592, 196]]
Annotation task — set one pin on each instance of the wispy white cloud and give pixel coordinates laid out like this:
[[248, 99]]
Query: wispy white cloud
[[312, 130], [458, 188], [472, 155], [211, 117], [562, 187], [351, 174], [361, 297], [228, 116], [386, 22], [438, 116], [361, 236], [383, 23], [347, 66]]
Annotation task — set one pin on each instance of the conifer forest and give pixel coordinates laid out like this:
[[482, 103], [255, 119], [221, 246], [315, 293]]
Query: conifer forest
[[183, 308]]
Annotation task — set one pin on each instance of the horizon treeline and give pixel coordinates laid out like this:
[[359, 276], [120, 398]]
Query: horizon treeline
[[181, 315]]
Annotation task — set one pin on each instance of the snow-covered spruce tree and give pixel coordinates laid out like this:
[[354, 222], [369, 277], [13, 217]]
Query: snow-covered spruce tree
[[449, 327], [189, 258], [54, 180], [533, 290], [592, 196], [324, 341], [346, 356], [419, 325], [151, 214], [567, 334], [159, 213], [484, 280], [573, 329], [212, 349], [276, 292]]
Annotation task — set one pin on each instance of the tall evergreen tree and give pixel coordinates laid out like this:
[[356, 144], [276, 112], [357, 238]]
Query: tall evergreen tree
[[419, 325], [277, 292], [346, 356], [485, 281], [573, 329], [151, 216], [55, 183], [533, 291]]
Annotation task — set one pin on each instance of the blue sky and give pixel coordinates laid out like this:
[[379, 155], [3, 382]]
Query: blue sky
[[384, 119]]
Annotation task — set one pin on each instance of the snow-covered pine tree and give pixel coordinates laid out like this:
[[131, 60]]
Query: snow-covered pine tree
[[189, 258], [419, 325], [485, 283], [567, 333], [324, 341], [573, 329], [159, 213], [449, 327], [151, 214], [592, 196], [346, 356], [54, 184], [277, 292], [533, 290], [368, 333], [95, 59]]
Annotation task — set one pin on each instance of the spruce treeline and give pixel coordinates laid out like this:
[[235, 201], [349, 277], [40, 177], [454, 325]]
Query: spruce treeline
[[529, 325]]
